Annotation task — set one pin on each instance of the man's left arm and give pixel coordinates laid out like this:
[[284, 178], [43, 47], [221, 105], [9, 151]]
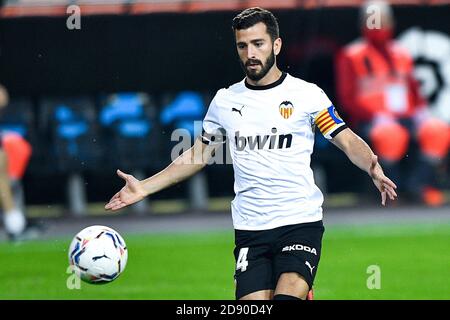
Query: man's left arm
[[362, 156]]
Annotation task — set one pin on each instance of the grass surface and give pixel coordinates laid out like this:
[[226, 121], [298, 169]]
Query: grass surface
[[414, 261]]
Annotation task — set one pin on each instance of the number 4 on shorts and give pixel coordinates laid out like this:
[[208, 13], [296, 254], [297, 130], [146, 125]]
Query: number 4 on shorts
[[242, 262]]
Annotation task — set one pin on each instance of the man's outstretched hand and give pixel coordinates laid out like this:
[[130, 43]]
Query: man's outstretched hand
[[131, 193], [383, 183]]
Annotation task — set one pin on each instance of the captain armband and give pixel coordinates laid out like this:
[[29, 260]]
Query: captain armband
[[329, 122]]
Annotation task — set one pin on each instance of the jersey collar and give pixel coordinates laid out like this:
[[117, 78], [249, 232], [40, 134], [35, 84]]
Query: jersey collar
[[267, 86]]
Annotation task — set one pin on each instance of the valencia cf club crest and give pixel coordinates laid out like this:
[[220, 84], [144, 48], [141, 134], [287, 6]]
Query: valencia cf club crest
[[286, 109]]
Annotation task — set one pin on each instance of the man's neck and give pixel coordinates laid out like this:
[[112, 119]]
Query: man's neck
[[273, 75]]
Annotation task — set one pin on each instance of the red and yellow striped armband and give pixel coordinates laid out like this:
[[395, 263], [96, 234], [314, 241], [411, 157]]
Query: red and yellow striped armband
[[329, 122]]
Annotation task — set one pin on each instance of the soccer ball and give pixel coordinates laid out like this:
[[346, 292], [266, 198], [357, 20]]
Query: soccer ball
[[98, 254]]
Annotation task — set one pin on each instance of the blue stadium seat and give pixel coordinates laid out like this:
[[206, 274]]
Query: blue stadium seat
[[130, 133], [18, 117], [70, 126], [186, 107], [180, 111]]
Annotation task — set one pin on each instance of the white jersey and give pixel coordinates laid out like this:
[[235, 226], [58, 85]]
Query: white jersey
[[270, 131]]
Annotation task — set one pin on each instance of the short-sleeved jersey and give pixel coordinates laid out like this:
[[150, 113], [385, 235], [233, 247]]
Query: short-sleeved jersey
[[270, 131]]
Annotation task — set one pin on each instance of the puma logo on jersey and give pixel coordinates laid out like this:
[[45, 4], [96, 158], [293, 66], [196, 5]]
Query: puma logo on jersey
[[267, 141], [299, 247], [238, 110], [311, 268]]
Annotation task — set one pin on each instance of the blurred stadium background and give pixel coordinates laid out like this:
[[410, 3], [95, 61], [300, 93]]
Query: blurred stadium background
[[109, 95]]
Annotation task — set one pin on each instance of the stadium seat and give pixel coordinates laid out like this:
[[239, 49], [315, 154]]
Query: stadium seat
[[17, 117], [131, 136], [70, 125], [130, 132], [182, 111], [185, 110]]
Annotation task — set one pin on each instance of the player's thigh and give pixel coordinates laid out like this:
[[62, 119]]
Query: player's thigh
[[298, 255], [254, 272]]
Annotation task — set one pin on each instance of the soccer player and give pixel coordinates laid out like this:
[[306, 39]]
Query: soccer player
[[268, 119]]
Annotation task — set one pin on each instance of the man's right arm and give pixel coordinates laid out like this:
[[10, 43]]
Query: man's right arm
[[183, 167]]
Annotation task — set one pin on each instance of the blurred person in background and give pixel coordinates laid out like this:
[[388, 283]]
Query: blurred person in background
[[381, 99], [14, 155]]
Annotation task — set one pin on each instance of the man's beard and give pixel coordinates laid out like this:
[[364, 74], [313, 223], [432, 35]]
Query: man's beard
[[254, 75]]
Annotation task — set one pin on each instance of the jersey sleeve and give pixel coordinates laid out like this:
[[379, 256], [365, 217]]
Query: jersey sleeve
[[213, 132], [325, 117]]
